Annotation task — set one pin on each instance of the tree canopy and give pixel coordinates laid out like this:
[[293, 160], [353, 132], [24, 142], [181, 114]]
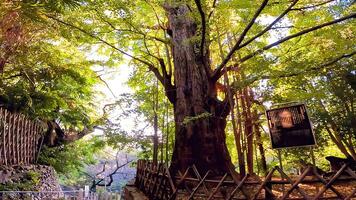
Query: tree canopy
[[194, 67]]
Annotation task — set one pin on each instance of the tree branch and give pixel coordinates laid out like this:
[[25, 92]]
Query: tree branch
[[288, 75], [56, 136], [313, 6], [217, 72], [99, 182], [240, 39], [151, 67], [169, 88], [335, 60], [99, 39], [203, 25], [353, 15], [107, 85], [212, 11]]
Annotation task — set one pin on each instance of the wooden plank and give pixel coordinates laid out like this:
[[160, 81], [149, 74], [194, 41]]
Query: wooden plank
[[200, 183], [170, 180], [199, 177], [322, 180], [28, 142], [13, 133], [9, 140], [24, 135], [13, 142], [158, 178], [4, 137], [14, 137], [153, 180], [18, 125], [180, 181], [331, 181], [33, 143], [295, 184], [238, 187], [23, 142], [160, 182], [35, 128], [1, 136], [217, 187], [351, 173], [263, 184], [22, 139]]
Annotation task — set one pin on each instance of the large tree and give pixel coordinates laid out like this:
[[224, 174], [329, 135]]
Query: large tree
[[177, 41]]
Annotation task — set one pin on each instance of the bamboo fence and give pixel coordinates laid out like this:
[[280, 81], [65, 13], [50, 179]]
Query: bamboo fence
[[158, 183], [19, 137]]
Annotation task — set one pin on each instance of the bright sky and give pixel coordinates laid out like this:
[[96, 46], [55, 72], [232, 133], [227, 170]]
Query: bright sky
[[115, 78]]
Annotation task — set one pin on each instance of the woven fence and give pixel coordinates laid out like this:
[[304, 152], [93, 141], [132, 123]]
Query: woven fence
[[19, 137], [158, 183]]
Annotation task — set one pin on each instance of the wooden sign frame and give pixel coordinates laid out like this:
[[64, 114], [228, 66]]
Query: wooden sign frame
[[290, 126]]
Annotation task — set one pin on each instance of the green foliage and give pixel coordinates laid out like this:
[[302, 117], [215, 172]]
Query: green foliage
[[70, 160], [188, 120], [49, 75]]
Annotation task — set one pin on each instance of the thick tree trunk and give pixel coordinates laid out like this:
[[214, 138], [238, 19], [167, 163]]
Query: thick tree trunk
[[200, 118]]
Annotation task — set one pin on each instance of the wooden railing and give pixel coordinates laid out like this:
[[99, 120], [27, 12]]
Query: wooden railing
[[157, 183], [19, 137]]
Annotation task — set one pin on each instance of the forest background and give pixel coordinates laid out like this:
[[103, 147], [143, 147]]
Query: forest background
[[62, 62]]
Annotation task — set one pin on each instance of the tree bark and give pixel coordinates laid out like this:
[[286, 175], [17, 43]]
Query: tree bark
[[155, 125], [259, 143], [248, 131], [200, 118], [241, 157]]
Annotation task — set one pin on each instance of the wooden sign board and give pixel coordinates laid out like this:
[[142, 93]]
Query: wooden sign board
[[290, 127]]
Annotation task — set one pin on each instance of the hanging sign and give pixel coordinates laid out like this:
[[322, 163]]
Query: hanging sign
[[290, 126]]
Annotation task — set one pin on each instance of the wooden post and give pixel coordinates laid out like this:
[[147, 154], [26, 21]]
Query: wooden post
[[4, 137], [23, 141], [268, 196], [9, 140], [10, 144], [28, 142], [281, 166], [21, 144], [1, 136], [312, 155], [280, 159], [33, 142], [17, 139], [15, 125]]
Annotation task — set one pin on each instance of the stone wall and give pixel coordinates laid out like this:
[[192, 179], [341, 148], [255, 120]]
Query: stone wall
[[38, 178]]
